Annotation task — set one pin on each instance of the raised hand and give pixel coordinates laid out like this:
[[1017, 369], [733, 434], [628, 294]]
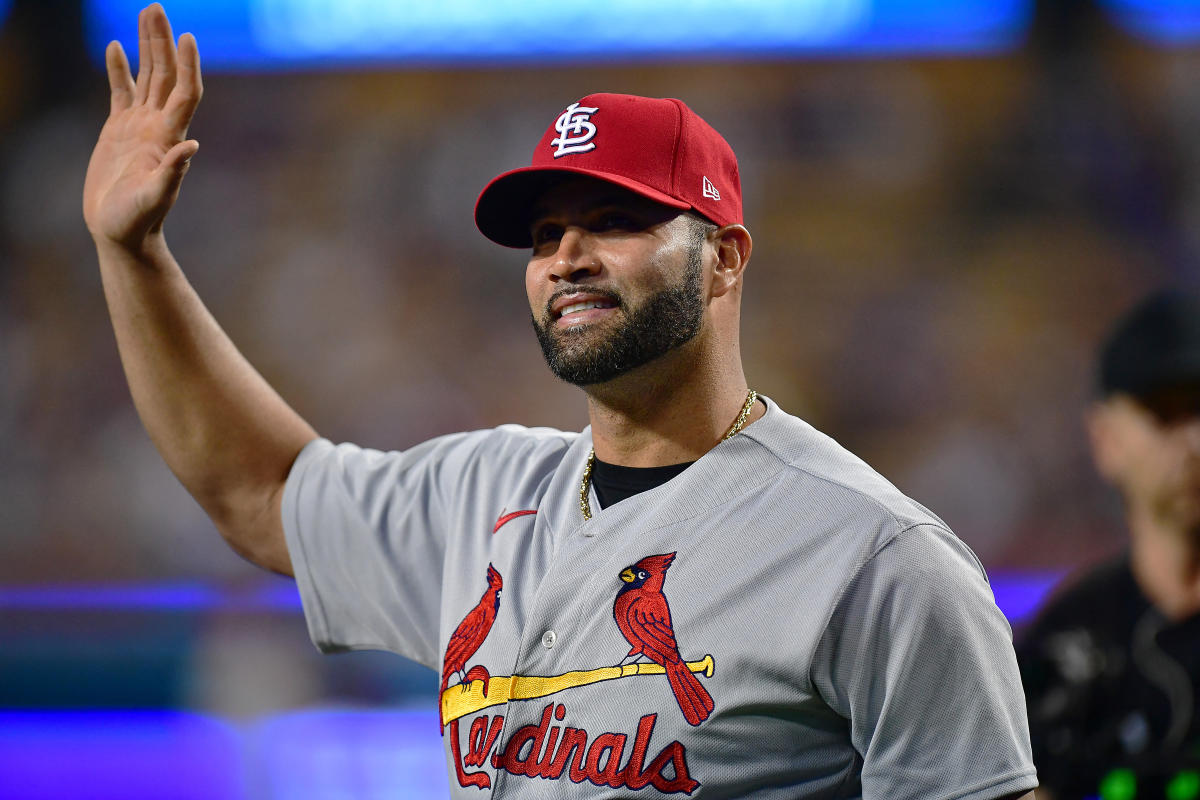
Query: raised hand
[[143, 153]]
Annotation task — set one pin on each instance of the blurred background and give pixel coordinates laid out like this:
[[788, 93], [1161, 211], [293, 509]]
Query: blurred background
[[950, 200]]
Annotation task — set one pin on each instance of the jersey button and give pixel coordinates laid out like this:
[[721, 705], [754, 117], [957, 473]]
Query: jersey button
[[548, 639]]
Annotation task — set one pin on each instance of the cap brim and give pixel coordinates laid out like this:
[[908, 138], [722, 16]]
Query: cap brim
[[505, 207], [1155, 373]]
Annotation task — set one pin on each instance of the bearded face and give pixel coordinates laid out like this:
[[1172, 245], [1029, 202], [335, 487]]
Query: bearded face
[[1152, 456], [643, 331]]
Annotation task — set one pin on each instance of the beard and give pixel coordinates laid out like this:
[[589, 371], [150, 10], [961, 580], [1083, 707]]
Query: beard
[[668, 319]]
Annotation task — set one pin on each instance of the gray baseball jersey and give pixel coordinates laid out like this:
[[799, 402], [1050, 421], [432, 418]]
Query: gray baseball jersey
[[778, 621]]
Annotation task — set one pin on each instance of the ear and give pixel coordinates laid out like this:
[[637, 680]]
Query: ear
[[733, 246], [1101, 425]]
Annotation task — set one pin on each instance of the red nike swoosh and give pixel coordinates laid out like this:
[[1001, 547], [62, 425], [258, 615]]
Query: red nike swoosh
[[507, 518]]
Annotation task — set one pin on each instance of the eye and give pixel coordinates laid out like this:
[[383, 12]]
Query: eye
[[641, 573], [616, 221], [544, 233]]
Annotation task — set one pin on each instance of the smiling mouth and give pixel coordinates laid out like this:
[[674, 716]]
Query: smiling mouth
[[586, 305]]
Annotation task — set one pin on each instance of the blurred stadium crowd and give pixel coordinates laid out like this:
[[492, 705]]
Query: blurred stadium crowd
[[939, 245]]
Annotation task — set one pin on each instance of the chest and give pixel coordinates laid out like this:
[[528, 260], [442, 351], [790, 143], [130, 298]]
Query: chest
[[630, 653]]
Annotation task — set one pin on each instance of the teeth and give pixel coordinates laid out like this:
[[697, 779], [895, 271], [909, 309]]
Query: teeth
[[584, 306]]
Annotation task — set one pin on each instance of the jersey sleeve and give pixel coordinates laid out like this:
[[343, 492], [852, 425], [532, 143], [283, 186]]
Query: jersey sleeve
[[920, 661], [367, 532]]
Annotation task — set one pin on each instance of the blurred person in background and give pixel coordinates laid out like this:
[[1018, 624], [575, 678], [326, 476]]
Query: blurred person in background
[[1111, 664], [849, 639]]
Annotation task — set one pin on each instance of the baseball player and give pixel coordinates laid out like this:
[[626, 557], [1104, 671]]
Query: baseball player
[[699, 594]]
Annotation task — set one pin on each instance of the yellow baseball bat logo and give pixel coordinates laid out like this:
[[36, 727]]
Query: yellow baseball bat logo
[[463, 699]]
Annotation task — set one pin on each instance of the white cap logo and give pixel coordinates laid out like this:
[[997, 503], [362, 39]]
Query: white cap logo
[[575, 131], [709, 190]]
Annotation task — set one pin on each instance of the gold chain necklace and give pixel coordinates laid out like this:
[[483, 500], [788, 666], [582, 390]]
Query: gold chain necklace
[[586, 507]]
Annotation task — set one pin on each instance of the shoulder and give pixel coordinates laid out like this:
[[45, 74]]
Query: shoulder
[[1105, 596], [512, 450], [1095, 583], [927, 571], [873, 542], [826, 477], [531, 445], [501, 441]]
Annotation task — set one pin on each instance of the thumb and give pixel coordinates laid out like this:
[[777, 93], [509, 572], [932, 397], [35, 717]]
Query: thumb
[[172, 168], [174, 164], [177, 158], [166, 179]]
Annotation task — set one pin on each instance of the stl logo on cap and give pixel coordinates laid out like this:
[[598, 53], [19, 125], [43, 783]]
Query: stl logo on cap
[[576, 130], [655, 147]]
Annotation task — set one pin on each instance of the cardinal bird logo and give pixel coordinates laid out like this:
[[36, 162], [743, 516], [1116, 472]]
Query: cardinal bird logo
[[471, 632], [644, 618]]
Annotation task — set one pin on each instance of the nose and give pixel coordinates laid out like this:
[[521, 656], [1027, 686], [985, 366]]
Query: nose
[[573, 259]]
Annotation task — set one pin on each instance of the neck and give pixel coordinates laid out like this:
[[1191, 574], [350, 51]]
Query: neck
[[1166, 564], [666, 412]]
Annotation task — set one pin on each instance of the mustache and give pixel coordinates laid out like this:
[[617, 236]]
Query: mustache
[[607, 294]]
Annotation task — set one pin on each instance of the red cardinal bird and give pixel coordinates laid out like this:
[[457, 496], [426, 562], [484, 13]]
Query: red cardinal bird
[[471, 632], [644, 618]]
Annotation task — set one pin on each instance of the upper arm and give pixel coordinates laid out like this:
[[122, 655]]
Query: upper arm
[[920, 661], [364, 534], [250, 517], [369, 534]]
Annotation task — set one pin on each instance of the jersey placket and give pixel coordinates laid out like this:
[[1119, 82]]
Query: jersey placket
[[553, 624]]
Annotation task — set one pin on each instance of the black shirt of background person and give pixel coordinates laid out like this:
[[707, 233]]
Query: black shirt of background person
[[1109, 683]]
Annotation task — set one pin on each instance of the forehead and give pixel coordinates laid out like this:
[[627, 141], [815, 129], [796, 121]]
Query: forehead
[[580, 194]]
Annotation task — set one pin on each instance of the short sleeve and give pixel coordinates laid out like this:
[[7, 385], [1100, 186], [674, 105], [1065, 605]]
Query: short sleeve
[[920, 661], [366, 531]]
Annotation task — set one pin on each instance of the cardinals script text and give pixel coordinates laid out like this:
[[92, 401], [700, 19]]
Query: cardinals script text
[[552, 751]]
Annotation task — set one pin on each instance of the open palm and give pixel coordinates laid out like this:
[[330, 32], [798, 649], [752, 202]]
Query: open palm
[[142, 154]]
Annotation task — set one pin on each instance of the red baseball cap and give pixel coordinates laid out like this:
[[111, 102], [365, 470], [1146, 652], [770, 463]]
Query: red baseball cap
[[658, 148]]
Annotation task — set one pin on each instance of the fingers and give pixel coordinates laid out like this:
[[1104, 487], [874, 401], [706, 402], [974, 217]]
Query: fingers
[[162, 56], [142, 88], [119, 79], [184, 98], [156, 57]]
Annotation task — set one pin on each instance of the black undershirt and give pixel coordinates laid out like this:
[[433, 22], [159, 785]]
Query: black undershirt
[[614, 483]]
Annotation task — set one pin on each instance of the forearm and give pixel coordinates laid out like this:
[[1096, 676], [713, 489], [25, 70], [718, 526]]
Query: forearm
[[227, 435]]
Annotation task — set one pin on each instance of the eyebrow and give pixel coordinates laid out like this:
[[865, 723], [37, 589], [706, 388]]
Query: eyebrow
[[625, 200]]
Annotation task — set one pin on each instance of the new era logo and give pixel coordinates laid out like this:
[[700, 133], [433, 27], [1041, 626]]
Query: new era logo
[[710, 190]]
